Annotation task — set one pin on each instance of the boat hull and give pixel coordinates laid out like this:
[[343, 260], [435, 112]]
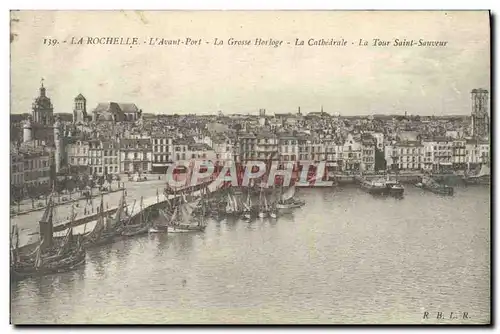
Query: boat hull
[[289, 206], [131, 233], [158, 229], [440, 191], [185, 229], [30, 271]]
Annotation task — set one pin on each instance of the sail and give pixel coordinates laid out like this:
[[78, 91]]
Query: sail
[[234, 202], [174, 216], [119, 211], [186, 210], [289, 193], [68, 239], [248, 204], [229, 205], [38, 260], [485, 171]]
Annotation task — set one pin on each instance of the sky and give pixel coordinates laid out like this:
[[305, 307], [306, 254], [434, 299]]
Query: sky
[[351, 80]]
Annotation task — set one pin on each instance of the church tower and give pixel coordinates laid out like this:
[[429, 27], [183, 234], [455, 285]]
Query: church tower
[[80, 109], [42, 109]]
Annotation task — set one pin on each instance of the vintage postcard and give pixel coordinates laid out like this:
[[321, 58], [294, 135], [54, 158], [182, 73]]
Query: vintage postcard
[[250, 167]]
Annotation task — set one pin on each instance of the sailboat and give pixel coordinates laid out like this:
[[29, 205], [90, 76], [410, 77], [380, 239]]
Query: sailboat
[[104, 231], [483, 177], [247, 206], [181, 220], [162, 228], [141, 228], [287, 201], [48, 259], [263, 209], [121, 216]]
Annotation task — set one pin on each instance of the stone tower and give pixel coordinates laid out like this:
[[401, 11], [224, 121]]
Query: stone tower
[[480, 119], [80, 109], [42, 109]]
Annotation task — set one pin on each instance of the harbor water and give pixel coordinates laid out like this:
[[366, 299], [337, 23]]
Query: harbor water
[[344, 257]]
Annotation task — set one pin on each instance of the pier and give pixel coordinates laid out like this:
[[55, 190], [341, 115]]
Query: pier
[[85, 223]]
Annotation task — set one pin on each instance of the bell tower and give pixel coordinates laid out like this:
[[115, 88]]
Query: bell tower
[[80, 109], [42, 109]]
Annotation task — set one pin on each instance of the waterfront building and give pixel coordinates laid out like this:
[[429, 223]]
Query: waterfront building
[[201, 151], [78, 153], [163, 151], [223, 147], [440, 150], [484, 151], [458, 154], [352, 151], [36, 167], [304, 142], [180, 149], [96, 157], [368, 146], [288, 147], [267, 146], [16, 168], [247, 147], [317, 149], [136, 155], [333, 154], [110, 157], [407, 155], [429, 147]]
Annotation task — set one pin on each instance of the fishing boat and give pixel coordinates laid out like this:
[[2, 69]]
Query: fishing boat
[[107, 229], [247, 206], [429, 184], [263, 205], [160, 228], [137, 229], [49, 257], [482, 177], [181, 220], [287, 201], [233, 206]]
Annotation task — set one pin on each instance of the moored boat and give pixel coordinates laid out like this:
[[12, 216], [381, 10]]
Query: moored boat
[[483, 177], [51, 255], [395, 188], [286, 200], [137, 229], [375, 187], [182, 220], [428, 183]]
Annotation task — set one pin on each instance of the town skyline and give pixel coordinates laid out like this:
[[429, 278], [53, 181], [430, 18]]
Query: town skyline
[[92, 103], [202, 80]]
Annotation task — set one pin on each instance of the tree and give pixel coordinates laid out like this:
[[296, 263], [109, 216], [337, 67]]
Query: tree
[[32, 194], [100, 181]]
